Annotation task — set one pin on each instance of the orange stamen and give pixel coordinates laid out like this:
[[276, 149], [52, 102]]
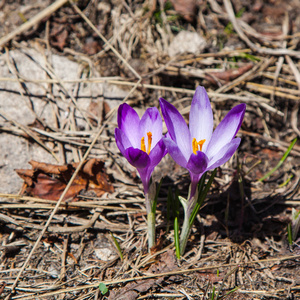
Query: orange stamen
[[143, 145], [200, 143], [149, 134], [196, 145]]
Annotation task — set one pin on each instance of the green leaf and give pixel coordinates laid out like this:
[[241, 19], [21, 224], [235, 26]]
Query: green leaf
[[156, 196], [295, 223], [176, 238], [289, 231], [117, 246], [175, 204], [250, 57], [223, 281], [103, 289], [239, 14], [232, 291], [281, 161], [202, 195], [201, 183], [213, 293], [286, 182]]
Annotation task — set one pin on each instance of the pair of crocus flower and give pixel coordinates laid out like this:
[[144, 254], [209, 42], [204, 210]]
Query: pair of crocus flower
[[197, 148]]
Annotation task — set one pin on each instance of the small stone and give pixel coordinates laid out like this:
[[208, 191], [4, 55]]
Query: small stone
[[187, 42], [105, 254]]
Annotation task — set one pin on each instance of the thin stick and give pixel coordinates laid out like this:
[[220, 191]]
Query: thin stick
[[51, 72], [266, 89], [64, 257]]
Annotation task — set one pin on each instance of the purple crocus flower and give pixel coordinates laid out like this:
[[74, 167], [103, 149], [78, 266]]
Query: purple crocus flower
[[140, 141], [198, 148]]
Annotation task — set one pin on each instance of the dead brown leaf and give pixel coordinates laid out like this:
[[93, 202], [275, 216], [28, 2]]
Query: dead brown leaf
[[186, 8], [131, 290], [228, 75], [48, 181], [58, 35], [166, 263], [91, 46]]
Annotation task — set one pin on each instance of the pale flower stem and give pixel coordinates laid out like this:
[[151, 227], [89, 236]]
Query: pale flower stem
[[150, 199], [185, 233], [151, 229], [188, 209]]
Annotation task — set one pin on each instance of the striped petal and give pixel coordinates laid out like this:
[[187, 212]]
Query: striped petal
[[151, 122], [128, 122], [224, 154], [177, 128], [201, 117], [226, 130]]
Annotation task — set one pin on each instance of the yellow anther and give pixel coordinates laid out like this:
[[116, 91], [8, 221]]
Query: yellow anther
[[149, 134], [196, 145], [143, 145], [200, 143]]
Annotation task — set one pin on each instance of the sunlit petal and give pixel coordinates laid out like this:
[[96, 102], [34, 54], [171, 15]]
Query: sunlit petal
[[157, 153], [201, 117], [140, 141], [175, 152], [128, 122], [177, 128], [226, 130], [122, 141], [224, 154], [151, 122]]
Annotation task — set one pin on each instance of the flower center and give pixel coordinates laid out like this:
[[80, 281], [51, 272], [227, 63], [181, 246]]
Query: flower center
[[197, 145], [143, 146]]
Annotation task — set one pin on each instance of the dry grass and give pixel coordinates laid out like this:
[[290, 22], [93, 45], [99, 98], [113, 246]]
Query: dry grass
[[49, 248]]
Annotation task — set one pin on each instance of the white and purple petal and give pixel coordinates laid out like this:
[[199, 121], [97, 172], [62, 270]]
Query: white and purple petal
[[128, 122], [201, 117], [157, 153], [224, 154], [151, 122], [177, 128], [175, 152], [122, 141], [226, 130]]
